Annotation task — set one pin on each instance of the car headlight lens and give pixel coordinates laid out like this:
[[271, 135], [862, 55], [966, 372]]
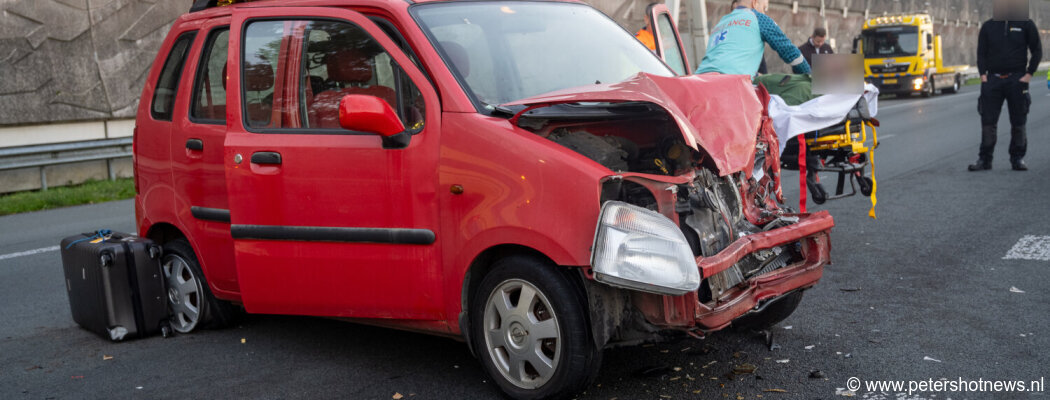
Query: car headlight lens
[[918, 82], [639, 249]]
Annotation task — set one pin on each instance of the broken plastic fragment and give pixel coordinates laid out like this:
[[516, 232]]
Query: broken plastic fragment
[[106, 358], [397, 396], [784, 361], [1014, 289], [810, 347], [928, 358]]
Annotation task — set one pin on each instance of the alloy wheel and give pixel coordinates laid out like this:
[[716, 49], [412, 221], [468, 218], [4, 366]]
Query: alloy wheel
[[522, 334], [185, 294]]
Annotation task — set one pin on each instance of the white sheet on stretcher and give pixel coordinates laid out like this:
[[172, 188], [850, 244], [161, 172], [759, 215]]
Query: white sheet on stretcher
[[819, 113]]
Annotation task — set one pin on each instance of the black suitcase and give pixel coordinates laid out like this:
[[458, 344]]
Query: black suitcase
[[115, 285]]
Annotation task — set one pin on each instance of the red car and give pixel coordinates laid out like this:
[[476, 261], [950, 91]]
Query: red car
[[523, 176]]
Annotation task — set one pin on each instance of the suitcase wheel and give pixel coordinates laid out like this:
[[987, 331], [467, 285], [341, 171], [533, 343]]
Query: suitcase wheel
[[165, 331], [106, 259]]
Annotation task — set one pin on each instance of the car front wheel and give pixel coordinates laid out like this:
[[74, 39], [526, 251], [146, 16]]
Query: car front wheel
[[530, 328]]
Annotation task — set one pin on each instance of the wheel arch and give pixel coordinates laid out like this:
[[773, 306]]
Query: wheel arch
[[163, 232], [483, 263]]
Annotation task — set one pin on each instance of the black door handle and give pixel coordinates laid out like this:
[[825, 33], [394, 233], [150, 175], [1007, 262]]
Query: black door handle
[[266, 158], [195, 144]]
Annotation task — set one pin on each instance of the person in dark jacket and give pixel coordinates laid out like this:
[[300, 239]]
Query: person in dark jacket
[[817, 44], [1005, 67]]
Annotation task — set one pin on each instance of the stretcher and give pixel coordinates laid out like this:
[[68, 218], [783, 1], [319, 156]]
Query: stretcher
[[846, 149]]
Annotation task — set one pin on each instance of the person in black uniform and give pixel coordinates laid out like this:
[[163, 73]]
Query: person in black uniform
[[1006, 69]]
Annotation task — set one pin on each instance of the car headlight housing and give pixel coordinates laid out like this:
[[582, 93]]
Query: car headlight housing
[[639, 249]]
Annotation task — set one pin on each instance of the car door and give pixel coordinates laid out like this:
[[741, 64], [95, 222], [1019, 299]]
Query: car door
[[325, 221], [197, 158], [669, 45]]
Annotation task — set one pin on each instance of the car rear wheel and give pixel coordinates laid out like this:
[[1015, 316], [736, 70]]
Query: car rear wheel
[[529, 326], [772, 314], [191, 302]]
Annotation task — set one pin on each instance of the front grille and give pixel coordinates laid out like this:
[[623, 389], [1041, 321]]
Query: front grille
[[890, 69]]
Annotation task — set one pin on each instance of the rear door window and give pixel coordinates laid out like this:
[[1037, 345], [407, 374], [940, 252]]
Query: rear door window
[[209, 94], [164, 94]]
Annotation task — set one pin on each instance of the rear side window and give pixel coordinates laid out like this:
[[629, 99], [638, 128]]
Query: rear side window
[[168, 83], [209, 93]]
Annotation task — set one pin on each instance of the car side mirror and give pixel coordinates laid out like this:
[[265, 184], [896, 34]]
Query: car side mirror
[[369, 114]]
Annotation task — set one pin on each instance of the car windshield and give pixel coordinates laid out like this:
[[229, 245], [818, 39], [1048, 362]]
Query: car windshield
[[893, 41], [507, 51]]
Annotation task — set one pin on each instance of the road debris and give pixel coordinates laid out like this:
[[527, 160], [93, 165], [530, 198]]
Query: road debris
[[243, 340], [744, 369], [1014, 289], [784, 361], [817, 374], [844, 392], [775, 391], [810, 347], [106, 358], [928, 358], [850, 289], [398, 396]]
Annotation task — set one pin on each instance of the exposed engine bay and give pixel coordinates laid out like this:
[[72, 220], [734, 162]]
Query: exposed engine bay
[[712, 211]]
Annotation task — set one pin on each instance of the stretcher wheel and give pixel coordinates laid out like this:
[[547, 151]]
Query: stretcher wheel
[[817, 193], [865, 185]]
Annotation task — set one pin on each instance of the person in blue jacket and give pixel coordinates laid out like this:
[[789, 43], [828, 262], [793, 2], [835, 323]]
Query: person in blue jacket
[[739, 39]]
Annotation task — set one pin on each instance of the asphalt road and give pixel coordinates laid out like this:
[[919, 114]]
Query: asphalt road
[[922, 293]]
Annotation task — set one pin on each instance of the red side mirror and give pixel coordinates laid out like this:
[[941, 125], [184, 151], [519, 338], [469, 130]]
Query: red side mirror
[[369, 114]]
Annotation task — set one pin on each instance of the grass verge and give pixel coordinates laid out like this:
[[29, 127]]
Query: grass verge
[[90, 192], [1039, 76]]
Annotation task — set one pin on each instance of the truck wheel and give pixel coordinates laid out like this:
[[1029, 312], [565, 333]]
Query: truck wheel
[[771, 315], [529, 326], [191, 302], [955, 86], [929, 90]]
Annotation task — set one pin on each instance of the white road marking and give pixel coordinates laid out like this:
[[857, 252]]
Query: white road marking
[[1030, 247], [28, 252]]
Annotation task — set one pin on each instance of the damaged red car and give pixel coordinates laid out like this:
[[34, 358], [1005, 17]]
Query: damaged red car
[[523, 176]]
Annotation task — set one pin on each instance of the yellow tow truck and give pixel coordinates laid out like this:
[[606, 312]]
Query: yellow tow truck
[[903, 56]]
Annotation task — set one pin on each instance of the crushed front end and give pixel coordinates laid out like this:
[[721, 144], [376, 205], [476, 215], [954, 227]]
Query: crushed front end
[[693, 235]]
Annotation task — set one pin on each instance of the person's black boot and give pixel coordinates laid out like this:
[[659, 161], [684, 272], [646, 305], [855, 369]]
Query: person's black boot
[[1019, 165], [981, 165]]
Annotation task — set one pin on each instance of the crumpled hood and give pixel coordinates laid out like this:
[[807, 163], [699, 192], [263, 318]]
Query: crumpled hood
[[718, 114]]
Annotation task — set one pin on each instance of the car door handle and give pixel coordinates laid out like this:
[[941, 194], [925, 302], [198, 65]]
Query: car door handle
[[195, 144], [266, 158]]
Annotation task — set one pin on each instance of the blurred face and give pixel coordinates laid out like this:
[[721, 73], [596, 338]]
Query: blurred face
[[819, 41], [761, 5]]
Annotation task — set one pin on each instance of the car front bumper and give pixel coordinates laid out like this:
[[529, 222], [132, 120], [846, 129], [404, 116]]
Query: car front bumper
[[812, 232]]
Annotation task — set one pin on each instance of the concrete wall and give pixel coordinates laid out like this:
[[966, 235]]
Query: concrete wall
[[85, 60], [78, 60]]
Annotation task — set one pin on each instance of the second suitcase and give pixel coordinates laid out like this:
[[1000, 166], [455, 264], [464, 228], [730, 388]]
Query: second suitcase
[[115, 285]]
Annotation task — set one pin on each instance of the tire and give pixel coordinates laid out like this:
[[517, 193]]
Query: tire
[[955, 86], [865, 184], [192, 304], [929, 90], [525, 365], [773, 314]]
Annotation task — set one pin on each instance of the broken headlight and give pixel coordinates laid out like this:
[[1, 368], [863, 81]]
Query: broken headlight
[[639, 249]]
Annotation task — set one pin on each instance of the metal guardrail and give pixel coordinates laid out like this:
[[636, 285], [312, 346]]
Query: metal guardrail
[[56, 150]]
